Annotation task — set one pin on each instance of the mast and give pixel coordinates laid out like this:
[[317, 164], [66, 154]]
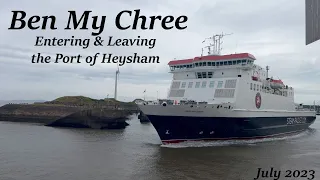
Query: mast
[[214, 47], [267, 68], [116, 83]]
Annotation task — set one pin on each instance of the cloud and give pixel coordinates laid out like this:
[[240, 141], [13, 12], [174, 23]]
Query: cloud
[[273, 31]]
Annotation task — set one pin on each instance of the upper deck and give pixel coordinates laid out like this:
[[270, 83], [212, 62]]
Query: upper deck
[[243, 60]]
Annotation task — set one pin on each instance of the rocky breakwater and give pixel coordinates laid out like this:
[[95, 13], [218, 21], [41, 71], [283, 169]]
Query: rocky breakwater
[[72, 111], [35, 113], [99, 118]]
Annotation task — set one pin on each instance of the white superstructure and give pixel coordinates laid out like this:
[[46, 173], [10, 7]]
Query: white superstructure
[[233, 78], [228, 79]]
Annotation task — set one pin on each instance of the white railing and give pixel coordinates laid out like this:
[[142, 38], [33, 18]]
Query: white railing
[[213, 67]]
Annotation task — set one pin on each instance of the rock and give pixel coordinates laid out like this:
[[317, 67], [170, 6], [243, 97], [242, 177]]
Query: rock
[[35, 113], [72, 111], [95, 119]]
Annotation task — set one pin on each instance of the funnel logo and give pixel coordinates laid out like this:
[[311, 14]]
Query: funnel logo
[[258, 100]]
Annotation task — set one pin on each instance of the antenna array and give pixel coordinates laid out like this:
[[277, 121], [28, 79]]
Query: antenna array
[[214, 47]]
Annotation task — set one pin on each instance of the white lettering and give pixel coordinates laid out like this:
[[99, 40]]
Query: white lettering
[[296, 120]]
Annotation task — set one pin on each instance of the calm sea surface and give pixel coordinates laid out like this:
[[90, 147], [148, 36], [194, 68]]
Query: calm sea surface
[[34, 152]]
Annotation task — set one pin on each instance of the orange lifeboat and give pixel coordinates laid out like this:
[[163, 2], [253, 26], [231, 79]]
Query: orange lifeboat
[[254, 78], [276, 84]]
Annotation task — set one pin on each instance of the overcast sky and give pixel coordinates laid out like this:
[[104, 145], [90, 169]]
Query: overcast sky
[[273, 31]]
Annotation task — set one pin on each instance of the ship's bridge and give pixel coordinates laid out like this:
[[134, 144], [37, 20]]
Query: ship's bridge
[[241, 60]]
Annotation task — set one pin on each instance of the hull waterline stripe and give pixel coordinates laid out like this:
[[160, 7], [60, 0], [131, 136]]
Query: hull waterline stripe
[[233, 138]]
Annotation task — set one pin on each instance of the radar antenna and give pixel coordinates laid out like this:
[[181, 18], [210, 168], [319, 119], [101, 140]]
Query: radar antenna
[[214, 47]]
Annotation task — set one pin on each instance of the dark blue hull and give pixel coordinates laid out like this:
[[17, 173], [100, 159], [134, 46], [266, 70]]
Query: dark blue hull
[[173, 129]]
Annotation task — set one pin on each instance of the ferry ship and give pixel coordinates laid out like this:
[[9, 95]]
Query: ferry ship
[[224, 97]]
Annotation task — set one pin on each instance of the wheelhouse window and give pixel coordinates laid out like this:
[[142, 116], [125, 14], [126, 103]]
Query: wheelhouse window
[[199, 75], [210, 74], [209, 63], [190, 84], [204, 74]]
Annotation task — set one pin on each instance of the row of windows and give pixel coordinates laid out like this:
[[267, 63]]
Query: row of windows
[[201, 75], [203, 84], [216, 63], [257, 87], [223, 63], [224, 93]]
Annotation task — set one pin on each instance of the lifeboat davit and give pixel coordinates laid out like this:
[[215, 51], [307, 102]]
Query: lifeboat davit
[[276, 84]]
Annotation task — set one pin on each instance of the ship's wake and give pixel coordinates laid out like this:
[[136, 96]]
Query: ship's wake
[[252, 142]]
